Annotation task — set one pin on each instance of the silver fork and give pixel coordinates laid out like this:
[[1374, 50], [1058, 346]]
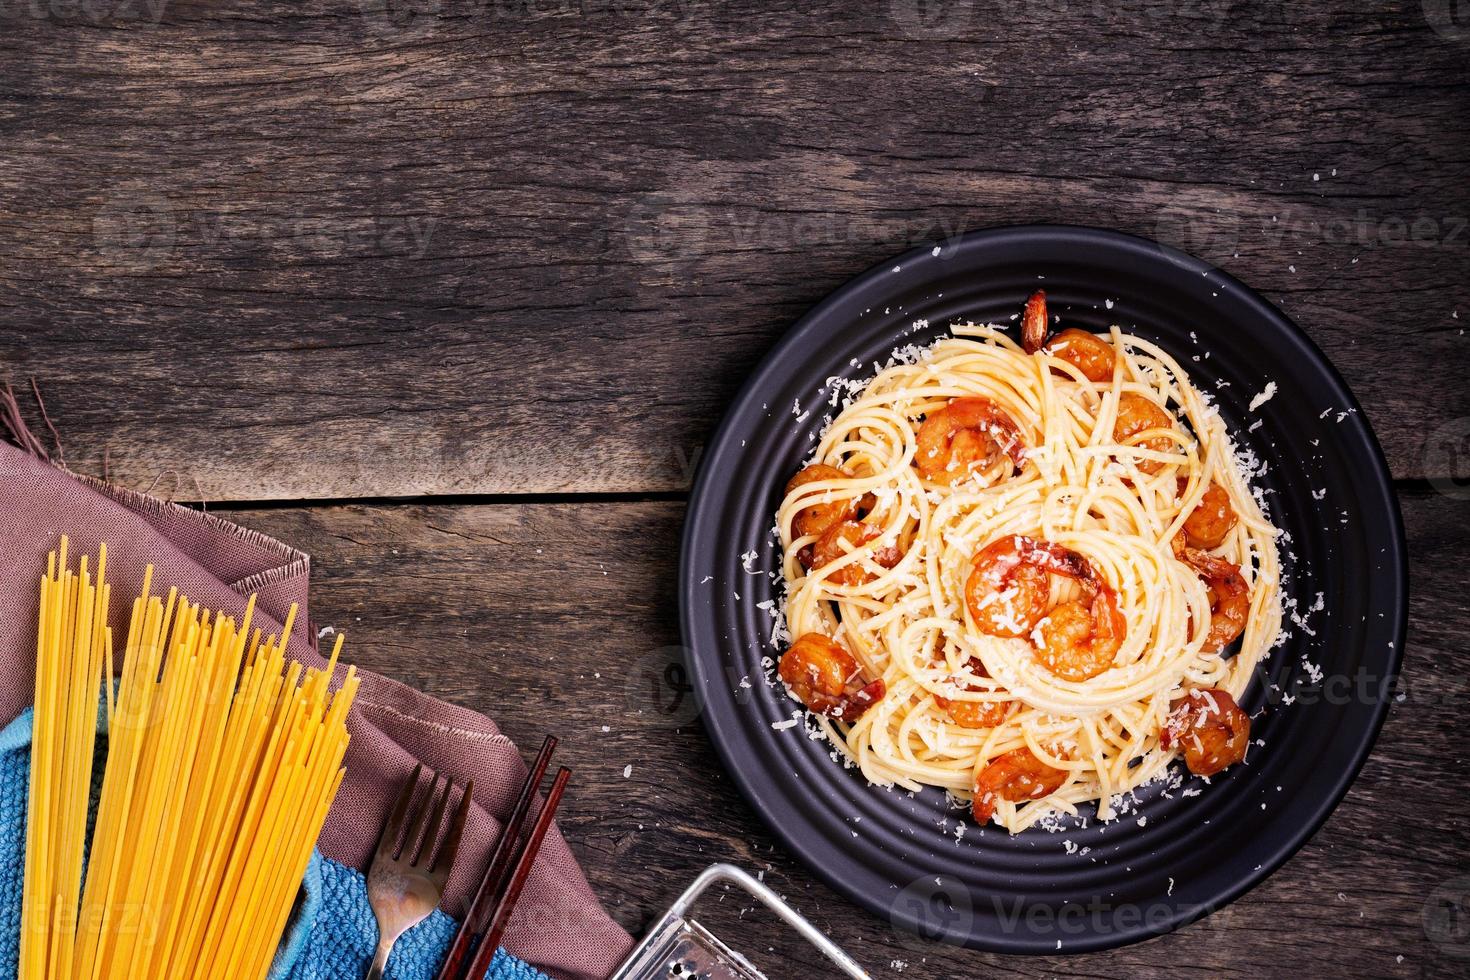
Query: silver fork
[[406, 880]]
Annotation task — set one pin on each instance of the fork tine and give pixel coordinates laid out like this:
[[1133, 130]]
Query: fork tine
[[444, 857], [431, 833], [416, 831], [388, 840]]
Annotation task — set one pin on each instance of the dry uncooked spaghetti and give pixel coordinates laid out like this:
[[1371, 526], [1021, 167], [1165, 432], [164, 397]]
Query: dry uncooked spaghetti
[[1013, 572], [222, 762]]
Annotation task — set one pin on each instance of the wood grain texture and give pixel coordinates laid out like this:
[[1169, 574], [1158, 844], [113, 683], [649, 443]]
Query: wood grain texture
[[563, 616], [335, 249], [361, 248]]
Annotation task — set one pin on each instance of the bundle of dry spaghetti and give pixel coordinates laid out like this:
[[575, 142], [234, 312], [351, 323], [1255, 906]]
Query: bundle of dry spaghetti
[[222, 761]]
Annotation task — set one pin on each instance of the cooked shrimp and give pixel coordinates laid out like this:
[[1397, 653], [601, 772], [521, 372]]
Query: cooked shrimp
[[1138, 414], [966, 434], [827, 679], [1086, 352], [976, 714], [1230, 597], [820, 514], [1079, 640], [1179, 545], [1211, 519], [1017, 775], [841, 539], [1211, 729], [1008, 589], [1033, 323]]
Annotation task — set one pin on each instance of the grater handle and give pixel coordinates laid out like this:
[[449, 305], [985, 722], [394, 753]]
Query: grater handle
[[729, 873]]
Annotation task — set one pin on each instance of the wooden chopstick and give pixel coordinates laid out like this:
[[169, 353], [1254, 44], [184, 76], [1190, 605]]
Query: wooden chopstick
[[494, 881], [485, 952]]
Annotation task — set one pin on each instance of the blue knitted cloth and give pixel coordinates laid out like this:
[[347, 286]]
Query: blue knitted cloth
[[332, 933]]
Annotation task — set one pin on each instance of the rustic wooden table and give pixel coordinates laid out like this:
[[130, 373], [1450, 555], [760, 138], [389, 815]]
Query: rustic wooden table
[[451, 296]]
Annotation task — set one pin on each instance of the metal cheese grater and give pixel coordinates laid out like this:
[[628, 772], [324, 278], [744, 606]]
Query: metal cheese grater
[[678, 948]]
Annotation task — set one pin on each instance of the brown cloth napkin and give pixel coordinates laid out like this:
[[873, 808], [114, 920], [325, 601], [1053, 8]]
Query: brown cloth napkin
[[559, 926]]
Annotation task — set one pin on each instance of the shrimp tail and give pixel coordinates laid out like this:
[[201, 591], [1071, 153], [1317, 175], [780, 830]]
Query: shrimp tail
[[853, 707], [1033, 323]]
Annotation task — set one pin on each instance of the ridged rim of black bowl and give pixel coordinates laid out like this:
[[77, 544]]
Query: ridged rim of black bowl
[[901, 856]]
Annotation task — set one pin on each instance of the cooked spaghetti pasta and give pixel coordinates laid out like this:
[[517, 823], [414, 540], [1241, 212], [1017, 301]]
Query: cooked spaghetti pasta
[[222, 762], [1033, 559]]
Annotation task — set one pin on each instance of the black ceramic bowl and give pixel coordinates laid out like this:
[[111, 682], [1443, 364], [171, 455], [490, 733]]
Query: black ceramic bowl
[[1318, 702]]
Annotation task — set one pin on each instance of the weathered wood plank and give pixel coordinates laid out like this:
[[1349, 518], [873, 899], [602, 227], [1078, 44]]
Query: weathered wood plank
[[563, 617], [330, 251]]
